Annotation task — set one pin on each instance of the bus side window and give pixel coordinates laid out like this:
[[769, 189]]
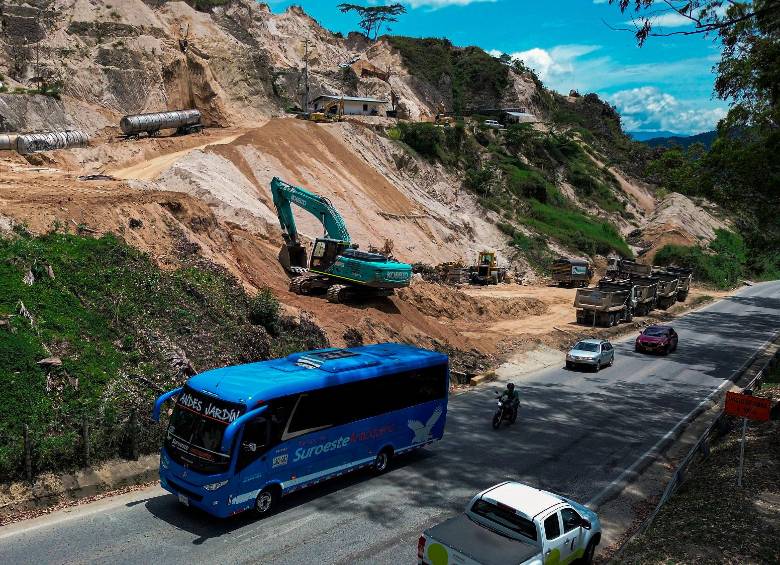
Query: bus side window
[[313, 412], [253, 442], [281, 409]]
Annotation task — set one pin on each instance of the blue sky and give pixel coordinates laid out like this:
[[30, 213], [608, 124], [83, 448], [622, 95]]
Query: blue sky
[[665, 85]]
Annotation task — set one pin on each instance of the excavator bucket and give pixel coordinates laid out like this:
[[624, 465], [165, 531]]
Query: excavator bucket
[[293, 258]]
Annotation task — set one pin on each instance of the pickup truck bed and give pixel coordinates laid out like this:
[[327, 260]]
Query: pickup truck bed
[[479, 543]]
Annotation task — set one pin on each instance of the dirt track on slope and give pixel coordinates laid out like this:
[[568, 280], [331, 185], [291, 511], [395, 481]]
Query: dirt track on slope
[[151, 169]]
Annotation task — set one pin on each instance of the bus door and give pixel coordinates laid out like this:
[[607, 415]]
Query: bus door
[[252, 461]]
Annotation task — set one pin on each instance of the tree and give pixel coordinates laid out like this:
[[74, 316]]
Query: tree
[[707, 16], [374, 18], [741, 171]]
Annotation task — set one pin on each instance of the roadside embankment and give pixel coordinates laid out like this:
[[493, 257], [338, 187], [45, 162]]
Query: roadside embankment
[[710, 519]]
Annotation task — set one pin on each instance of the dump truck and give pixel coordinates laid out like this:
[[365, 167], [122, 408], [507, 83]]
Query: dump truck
[[668, 286], [604, 306], [685, 276], [623, 268], [646, 294], [569, 273], [644, 289], [336, 267], [487, 270]]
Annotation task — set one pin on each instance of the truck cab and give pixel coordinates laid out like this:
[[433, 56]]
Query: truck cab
[[513, 524]]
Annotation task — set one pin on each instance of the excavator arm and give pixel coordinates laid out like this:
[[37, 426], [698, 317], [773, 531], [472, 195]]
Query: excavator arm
[[284, 195]]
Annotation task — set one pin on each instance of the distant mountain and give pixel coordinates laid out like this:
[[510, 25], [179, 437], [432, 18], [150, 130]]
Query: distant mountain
[[661, 139], [645, 135]]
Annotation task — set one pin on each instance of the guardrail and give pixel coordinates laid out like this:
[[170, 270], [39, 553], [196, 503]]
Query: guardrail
[[719, 427]]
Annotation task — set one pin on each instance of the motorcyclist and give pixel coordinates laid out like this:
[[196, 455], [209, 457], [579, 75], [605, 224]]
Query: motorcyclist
[[511, 395]]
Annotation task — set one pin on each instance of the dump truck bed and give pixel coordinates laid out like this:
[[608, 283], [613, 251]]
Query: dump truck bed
[[598, 299]]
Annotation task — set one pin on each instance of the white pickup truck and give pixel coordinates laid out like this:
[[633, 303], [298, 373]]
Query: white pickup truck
[[513, 524]]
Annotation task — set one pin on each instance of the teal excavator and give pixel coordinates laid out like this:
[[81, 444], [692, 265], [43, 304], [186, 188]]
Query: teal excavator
[[336, 267]]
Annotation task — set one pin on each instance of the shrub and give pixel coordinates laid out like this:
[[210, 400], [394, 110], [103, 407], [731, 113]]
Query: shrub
[[425, 138], [479, 179], [264, 310]]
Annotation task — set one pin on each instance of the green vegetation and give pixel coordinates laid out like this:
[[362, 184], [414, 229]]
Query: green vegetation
[[723, 265], [475, 78], [514, 173], [741, 171], [575, 229], [431, 141], [124, 330], [53, 90]]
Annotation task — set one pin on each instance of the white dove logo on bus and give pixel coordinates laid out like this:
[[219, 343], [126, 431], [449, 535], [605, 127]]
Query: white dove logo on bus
[[422, 432]]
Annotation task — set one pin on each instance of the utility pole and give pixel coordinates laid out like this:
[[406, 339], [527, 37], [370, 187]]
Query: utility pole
[[306, 77]]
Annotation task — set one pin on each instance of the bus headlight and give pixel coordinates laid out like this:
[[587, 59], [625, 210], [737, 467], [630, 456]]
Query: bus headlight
[[164, 461], [215, 486]]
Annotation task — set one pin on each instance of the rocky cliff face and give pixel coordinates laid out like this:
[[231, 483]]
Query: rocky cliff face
[[237, 63]]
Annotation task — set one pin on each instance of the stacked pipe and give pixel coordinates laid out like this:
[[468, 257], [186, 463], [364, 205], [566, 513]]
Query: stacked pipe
[[50, 141], [152, 123]]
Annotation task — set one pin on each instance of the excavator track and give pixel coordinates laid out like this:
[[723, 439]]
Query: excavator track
[[339, 293], [301, 285]]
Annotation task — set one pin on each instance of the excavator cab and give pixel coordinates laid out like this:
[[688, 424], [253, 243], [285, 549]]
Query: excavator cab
[[325, 253]]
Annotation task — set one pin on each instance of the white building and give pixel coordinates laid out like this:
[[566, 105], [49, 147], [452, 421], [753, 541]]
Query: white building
[[353, 106]]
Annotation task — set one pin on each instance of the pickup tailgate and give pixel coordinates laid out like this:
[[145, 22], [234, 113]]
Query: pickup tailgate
[[467, 542]]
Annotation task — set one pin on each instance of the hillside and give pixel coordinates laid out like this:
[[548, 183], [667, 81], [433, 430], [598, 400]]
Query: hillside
[[193, 214]]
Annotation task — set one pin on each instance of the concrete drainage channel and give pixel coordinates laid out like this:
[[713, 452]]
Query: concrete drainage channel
[[748, 376]]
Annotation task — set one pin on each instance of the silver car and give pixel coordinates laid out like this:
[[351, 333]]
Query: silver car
[[593, 353]]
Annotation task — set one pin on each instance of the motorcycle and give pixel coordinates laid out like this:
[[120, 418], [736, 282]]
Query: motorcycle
[[505, 411]]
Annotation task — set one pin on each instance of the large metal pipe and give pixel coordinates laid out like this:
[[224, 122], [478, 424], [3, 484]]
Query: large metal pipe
[[152, 123], [50, 141], [7, 141]]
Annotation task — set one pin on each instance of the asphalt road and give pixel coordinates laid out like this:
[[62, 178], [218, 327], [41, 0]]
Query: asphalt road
[[576, 433]]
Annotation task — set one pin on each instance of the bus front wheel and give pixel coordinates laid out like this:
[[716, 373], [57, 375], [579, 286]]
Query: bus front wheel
[[382, 460], [266, 501]]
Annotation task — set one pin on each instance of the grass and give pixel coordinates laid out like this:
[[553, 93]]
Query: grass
[[575, 229], [710, 519], [117, 322]]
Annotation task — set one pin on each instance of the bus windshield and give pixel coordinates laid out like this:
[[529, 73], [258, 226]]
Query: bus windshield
[[195, 432]]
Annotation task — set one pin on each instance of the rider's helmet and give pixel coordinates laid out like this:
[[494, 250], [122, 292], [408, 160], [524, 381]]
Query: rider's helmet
[[510, 387]]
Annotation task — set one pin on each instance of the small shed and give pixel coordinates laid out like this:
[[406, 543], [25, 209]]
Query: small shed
[[353, 105]]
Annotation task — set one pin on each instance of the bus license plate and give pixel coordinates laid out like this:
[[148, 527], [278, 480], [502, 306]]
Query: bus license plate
[[184, 500]]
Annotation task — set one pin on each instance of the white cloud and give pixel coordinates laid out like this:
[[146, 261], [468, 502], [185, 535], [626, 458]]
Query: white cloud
[[436, 4], [668, 19], [649, 109], [554, 66], [588, 68]]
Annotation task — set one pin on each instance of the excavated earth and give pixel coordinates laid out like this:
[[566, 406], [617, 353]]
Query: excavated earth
[[241, 66]]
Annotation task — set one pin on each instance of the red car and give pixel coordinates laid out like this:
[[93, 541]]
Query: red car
[[661, 339]]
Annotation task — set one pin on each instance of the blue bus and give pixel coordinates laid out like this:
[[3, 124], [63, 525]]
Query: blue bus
[[239, 438]]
